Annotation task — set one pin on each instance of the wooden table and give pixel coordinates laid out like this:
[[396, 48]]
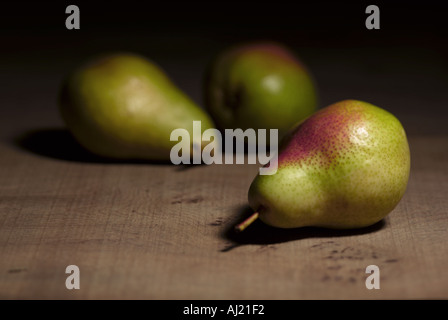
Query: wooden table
[[147, 231]]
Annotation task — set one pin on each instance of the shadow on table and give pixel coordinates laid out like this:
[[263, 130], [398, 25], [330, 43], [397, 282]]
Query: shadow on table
[[262, 234], [58, 143]]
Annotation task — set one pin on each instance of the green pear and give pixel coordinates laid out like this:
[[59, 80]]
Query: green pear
[[124, 106], [260, 85], [346, 166]]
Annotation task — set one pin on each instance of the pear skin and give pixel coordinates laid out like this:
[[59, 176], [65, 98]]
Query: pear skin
[[260, 85], [346, 166], [124, 106]]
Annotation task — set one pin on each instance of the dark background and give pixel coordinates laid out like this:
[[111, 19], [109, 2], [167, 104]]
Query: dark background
[[402, 67]]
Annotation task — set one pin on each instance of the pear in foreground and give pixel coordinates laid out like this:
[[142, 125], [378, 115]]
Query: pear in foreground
[[346, 166], [124, 106], [261, 85]]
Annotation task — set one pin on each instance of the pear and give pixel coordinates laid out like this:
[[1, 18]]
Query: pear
[[260, 85], [124, 106], [346, 166]]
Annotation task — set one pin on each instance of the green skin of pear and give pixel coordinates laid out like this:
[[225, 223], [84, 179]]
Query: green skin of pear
[[259, 86], [124, 106], [346, 166]]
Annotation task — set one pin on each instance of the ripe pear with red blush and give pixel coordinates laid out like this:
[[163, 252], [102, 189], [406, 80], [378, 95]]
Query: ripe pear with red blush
[[346, 166]]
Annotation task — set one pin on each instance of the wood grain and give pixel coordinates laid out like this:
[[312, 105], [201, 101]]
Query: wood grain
[[158, 231]]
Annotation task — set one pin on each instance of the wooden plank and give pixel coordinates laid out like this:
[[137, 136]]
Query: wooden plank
[[146, 231]]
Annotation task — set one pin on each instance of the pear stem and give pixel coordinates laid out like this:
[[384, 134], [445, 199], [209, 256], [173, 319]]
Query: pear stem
[[243, 225]]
